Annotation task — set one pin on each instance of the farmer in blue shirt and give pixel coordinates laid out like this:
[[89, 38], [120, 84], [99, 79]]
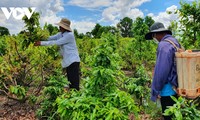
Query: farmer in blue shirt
[[66, 41], [165, 74]]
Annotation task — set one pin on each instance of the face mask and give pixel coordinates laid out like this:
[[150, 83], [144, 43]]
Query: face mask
[[155, 40]]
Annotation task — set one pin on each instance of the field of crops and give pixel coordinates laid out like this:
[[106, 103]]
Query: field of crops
[[116, 73]]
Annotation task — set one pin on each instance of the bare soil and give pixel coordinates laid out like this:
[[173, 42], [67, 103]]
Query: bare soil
[[13, 110]]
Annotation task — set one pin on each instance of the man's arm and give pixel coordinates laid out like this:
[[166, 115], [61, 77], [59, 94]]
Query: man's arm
[[162, 69], [63, 40]]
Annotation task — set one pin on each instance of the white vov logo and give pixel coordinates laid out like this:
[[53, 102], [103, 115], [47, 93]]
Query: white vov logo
[[18, 13]]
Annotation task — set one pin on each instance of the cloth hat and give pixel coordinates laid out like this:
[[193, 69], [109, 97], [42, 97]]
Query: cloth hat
[[65, 23], [156, 28]]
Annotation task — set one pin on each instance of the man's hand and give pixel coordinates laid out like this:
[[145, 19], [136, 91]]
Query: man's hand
[[175, 89], [159, 97], [37, 43]]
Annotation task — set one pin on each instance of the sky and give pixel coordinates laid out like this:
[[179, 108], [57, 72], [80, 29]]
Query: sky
[[85, 14]]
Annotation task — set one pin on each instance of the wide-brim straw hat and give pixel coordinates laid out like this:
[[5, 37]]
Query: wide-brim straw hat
[[156, 28], [65, 23]]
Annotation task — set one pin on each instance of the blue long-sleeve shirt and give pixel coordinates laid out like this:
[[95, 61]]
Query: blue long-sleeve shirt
[[165, 69]]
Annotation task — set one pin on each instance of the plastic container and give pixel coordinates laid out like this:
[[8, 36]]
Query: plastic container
[[188, 70]]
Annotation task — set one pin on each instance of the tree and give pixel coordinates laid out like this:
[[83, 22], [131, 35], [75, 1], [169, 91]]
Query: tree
[[4, 31], [110, 29], [88, 34], [174, 28], [140, 28], [125, 27], [141, 48], [190, 23], [98, 30], [76, 33], [148, 21], [33, 22], [81, 36], [33, 30], [95, 32], [52, 29], [31, 26]]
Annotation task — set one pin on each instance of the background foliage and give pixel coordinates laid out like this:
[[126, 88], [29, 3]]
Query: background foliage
[[116, 65]]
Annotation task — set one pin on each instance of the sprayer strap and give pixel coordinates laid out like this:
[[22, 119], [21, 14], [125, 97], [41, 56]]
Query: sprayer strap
[[173, 45]]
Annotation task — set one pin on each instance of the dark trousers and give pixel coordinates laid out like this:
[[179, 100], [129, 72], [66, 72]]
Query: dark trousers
[[167, 101], [73, 75]]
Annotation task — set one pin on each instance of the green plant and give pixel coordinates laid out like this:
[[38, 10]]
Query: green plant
[[99, 98], [139, 85], [53, 89], [23, 71], [2, 45], [19, 91], [183, 109], [115, 106]]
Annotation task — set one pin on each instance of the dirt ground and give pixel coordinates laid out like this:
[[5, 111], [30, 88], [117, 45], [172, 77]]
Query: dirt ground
[[12, 110]]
